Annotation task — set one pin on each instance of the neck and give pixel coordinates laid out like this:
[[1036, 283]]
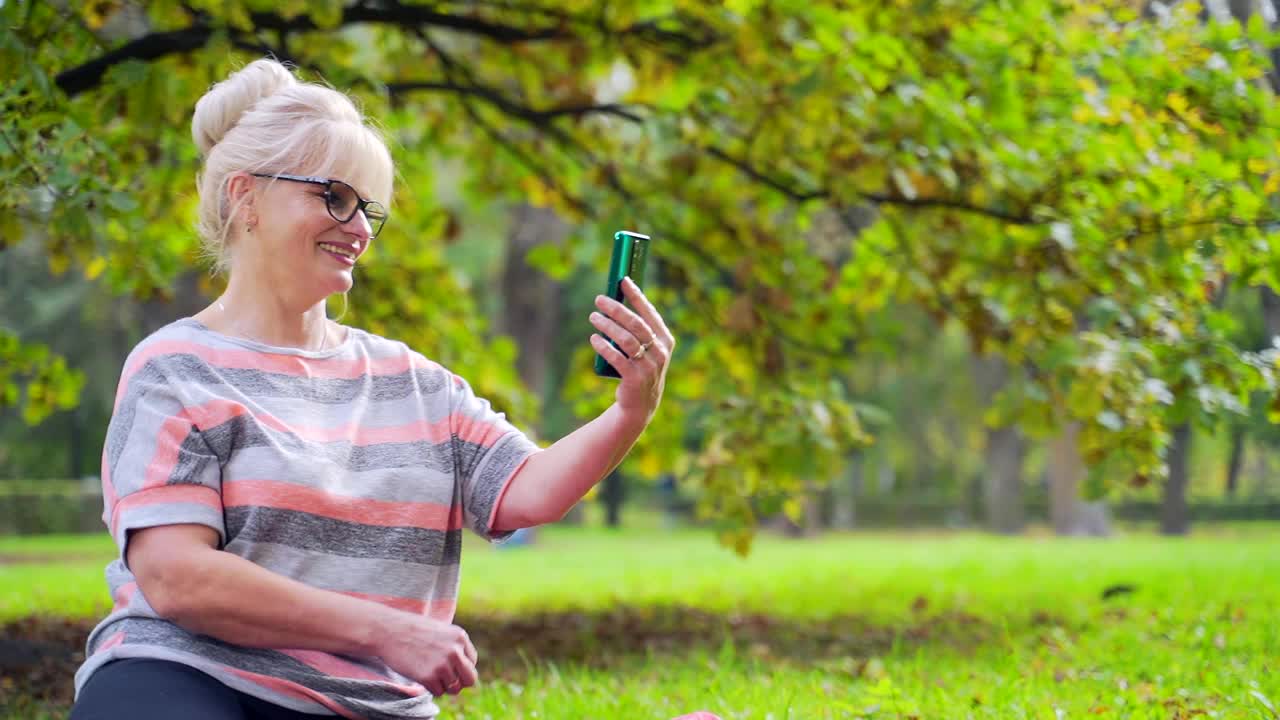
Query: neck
[[269, 317]]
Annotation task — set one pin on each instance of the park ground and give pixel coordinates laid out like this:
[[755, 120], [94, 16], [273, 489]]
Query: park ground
[[650, 622]]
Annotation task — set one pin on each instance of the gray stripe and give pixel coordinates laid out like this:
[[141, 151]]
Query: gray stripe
[[196, 463], [343, 574], [339, 537], [120, 429], [325, 391], [487, 481]]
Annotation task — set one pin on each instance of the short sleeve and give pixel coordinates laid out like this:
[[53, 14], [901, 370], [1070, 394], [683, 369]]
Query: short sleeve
[[157, 468], [487, 452]]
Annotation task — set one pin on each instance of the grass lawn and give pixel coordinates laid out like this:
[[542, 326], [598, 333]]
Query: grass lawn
[[651, 623]]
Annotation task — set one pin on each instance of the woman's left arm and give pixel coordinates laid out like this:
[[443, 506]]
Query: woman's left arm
[[553, 480]]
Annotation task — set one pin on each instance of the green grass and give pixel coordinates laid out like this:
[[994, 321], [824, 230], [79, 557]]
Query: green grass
[[869, 625]]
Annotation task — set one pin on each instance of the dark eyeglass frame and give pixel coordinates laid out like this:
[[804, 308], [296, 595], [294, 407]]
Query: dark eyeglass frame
[[328, 183]]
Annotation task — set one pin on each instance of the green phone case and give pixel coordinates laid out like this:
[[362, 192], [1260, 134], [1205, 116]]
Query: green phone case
[[630, 253]]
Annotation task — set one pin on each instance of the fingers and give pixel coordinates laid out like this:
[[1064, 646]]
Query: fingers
[[461, 667], [647, 311], [628, 340], [465, 671], [616, 358], [468, 648], [455, 666], [622, 317], [454, 676], [434, 685]]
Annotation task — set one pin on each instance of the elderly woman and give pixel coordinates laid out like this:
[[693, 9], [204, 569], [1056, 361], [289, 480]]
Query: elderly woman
[[288, 493]]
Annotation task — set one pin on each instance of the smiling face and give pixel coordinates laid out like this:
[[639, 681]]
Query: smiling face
[[296, 244], [298, 250]]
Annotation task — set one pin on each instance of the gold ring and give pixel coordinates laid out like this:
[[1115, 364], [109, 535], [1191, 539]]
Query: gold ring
[[644, 347]]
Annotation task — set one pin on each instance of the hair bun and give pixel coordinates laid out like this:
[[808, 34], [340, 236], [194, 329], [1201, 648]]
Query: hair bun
[[224, 104]]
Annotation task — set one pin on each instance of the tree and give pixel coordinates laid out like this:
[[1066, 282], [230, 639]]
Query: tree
[[1020, 163]]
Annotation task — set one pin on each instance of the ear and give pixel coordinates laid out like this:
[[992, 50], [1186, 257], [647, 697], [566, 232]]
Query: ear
[[240, 190]]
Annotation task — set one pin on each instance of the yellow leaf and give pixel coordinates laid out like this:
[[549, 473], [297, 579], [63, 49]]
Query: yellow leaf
[[95, 267], [1177, 103], [1273, 183], [1257, 165], [650, 464]]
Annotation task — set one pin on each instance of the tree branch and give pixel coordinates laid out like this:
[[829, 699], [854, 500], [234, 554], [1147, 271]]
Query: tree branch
[[805, 195], [148, 47], [535, 116], [154, 46]]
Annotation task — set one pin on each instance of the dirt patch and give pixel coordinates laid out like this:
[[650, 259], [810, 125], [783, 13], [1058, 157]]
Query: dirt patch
[[39, 655]]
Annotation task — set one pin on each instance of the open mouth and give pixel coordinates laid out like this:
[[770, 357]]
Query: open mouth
[[341, 252]]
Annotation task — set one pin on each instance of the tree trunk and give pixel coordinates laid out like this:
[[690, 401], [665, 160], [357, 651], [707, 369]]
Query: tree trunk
[[1236, 460], [530, 310], [1003, 455], [1175, 517], [844, 516], [1270, 313], [1002, 480], [612, 495], [1069, 514], [817, 505], [530, 298]]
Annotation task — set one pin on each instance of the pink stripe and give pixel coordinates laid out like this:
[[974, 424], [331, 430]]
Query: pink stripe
[[123, 596], [173, 432], [338, 668], [367, 511], [110, 642], [108, 487], [439, 609], [323, 368], [475, 431], [294, 690], [183, 493]]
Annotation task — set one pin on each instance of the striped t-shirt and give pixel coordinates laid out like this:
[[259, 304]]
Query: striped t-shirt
[[351, 469]]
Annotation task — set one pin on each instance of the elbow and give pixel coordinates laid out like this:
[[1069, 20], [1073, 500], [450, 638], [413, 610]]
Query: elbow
[[171, 565], [170, 589], [512, 516]]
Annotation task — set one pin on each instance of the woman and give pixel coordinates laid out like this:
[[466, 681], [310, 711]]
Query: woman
[[288, 493]]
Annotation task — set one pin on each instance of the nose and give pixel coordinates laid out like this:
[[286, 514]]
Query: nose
[[358, 226]]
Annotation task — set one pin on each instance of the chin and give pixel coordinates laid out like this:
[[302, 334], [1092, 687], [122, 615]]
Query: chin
[[333, 286]]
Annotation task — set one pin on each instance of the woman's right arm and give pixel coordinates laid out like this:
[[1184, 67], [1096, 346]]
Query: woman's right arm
[[187, 580]]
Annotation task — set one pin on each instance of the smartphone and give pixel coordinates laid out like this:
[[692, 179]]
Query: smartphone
[[630, 251]]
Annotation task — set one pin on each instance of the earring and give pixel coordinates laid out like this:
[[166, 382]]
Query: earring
[[248, 227]]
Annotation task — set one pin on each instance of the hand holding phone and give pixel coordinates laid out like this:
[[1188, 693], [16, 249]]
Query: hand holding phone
[[630, 253]]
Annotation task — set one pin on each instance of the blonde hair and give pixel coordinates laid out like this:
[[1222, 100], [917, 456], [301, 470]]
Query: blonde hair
[[263, 119]]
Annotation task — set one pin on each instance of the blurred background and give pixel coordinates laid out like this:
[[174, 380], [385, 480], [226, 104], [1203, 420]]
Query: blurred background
[[941, 272], [955, 266]]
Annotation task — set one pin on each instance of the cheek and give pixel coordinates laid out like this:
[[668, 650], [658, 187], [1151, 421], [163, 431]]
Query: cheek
[[305, 220]]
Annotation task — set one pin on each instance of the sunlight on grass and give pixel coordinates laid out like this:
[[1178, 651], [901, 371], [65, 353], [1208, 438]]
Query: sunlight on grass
[[970, 625]]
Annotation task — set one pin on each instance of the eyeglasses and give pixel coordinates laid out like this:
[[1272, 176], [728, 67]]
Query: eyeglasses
[[342, 200]]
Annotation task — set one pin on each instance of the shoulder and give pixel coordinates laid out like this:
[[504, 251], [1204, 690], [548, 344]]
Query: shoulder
[[172, 353], [389, 356], [167, 347]]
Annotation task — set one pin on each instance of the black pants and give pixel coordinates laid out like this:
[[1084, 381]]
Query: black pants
[[144, 689]]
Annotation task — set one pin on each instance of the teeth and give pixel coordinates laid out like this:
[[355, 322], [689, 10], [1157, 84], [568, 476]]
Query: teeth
[[337, 249]]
